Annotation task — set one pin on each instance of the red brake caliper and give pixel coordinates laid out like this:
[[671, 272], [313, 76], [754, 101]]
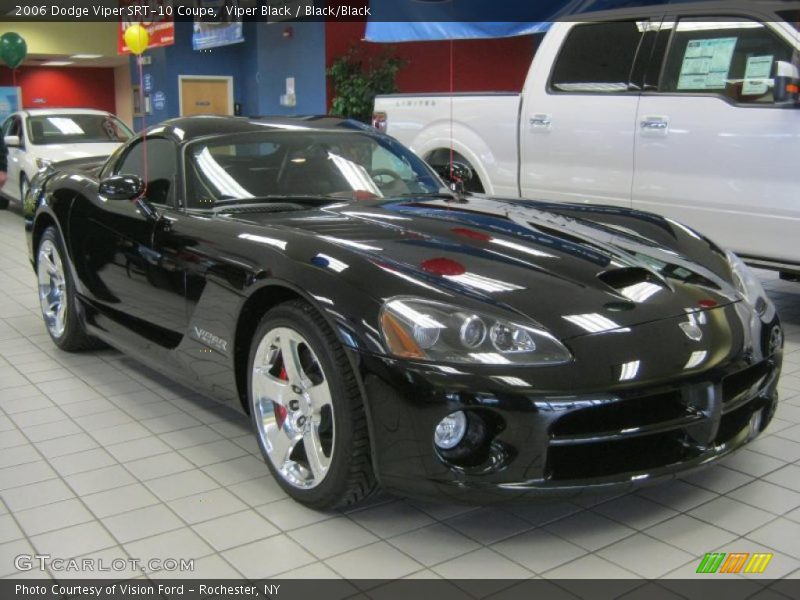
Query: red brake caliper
[[280, 411]]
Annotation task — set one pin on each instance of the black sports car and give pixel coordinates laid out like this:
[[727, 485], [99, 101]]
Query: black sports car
[[382, 330]]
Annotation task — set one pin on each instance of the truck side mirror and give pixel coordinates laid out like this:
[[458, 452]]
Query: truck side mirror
[[787, 84]]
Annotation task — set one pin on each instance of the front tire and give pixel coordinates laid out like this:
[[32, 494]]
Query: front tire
[[307, 410], [57, 295], [24, 186]]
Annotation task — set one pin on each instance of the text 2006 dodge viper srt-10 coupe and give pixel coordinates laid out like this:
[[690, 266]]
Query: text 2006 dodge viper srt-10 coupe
[[382, 331]]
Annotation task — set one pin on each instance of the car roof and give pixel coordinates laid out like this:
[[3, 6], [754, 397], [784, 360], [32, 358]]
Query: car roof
[[185, 129]]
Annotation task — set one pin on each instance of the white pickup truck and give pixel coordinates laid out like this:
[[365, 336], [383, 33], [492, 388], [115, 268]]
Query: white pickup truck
[[689, 110]]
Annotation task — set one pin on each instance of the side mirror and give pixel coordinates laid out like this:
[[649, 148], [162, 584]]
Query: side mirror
[[12, 141], [121, 187], [787, 84]]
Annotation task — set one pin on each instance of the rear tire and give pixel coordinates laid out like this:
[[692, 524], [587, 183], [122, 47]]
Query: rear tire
[[59, 303], [3, 203], [307, 410]]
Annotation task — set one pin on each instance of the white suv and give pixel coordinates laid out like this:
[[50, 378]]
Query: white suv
[[37, 137]]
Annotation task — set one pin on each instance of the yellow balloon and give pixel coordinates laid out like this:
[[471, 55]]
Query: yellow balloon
[[137, 39]]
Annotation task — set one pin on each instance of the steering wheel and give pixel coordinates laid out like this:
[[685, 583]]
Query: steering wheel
[[385, 176]]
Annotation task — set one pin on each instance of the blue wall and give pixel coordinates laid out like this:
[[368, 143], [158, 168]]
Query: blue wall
[[259, 67], [301, 56]]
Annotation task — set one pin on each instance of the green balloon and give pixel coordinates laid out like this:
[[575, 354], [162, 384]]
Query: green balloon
[[13, 49]]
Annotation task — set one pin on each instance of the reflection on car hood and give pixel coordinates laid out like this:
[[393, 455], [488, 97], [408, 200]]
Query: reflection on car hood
[[59, 152], [575, 269]]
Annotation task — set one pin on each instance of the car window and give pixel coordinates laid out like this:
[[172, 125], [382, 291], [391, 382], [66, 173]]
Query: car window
[[314, 163], [76, 128], [12, 126], [732, 58], [597, 58], [162, 166]]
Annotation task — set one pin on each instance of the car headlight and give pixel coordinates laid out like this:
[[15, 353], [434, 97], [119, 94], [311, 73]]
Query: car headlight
[[748, 284], [427, 330], [43, 163]]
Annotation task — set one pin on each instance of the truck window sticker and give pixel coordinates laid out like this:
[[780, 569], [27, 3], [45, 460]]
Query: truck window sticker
[[757, 75], [706, 64]]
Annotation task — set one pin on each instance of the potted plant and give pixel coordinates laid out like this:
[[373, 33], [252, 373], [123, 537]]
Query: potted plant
[[357, 78]]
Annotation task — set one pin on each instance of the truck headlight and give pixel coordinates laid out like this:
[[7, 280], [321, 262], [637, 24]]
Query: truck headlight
[[427, 330], [748, 284]]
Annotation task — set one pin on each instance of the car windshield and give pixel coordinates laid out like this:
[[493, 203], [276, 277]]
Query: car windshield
[[76, 128], [280, 164]]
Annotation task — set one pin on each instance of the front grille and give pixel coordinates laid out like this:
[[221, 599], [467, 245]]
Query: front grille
[[604, 459], [639, 433], [740, 385], [617, 416]]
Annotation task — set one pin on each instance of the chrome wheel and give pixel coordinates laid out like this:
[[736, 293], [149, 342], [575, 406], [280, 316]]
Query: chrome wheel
[[52, 288], [293, 407], [23, 189]]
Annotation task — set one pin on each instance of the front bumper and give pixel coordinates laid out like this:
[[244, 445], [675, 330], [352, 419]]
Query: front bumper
[[565, 431]]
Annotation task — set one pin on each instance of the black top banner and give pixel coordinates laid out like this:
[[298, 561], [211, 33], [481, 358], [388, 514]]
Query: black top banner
[[494, 11]]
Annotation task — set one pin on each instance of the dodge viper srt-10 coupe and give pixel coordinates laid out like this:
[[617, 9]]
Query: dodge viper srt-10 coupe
[[382, 331]]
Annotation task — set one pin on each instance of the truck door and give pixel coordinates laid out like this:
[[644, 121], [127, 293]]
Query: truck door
[[578, 115], [713, 148]]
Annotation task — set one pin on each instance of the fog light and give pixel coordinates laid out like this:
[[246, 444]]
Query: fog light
[[450, 430]]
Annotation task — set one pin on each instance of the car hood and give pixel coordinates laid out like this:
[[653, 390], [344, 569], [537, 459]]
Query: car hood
[[575, 269], [59, 152]]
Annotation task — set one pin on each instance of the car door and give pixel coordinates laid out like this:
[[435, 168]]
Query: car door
[[130, 262], [713, 148], [578, 118], [13, 126]]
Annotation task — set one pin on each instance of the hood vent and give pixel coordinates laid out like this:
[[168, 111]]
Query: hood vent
[[635, 283]]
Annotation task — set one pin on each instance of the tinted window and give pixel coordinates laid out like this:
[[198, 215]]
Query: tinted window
[[12, 126], [283, 164], [736, 59], [597, 57], [76, 128], [161, 172]]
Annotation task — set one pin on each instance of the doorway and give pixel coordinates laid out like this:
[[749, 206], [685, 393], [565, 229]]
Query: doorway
[[205, 95]]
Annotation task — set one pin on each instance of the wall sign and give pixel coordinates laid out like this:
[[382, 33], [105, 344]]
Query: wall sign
[[159, 100], [158, 22]]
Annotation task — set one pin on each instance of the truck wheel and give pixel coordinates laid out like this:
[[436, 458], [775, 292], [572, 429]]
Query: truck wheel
[[440, 161]]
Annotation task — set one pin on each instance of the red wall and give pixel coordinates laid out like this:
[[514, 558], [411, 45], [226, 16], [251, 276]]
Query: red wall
[[64, 87], [478, 65]]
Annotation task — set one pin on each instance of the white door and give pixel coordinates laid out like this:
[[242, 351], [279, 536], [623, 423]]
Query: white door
[[713, 149], [578, 121], [13, 126]]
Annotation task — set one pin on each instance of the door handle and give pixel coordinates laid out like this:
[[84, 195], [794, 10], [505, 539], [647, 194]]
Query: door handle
[[540, 121], [655, 124]]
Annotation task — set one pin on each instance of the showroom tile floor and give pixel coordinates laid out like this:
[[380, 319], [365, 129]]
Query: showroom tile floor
[[103, 458]]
